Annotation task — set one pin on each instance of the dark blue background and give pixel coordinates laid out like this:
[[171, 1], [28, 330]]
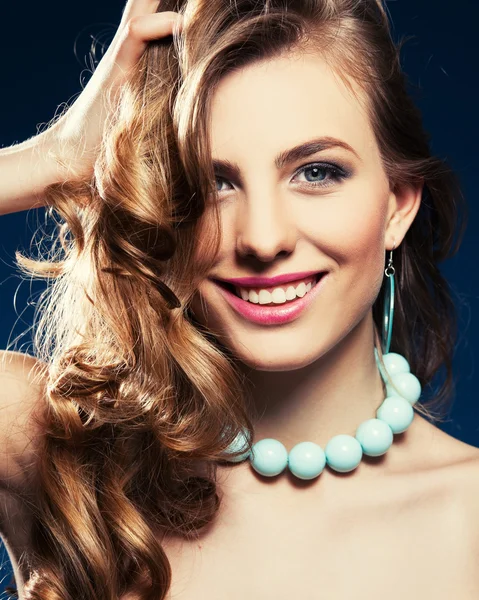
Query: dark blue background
[[44, 54]]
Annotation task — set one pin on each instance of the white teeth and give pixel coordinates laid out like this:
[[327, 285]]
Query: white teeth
[[265, 297], [277, 296], [290, 293], [301, 289]]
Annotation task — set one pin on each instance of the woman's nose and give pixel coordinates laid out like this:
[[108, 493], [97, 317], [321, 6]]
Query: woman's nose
[[264, 228]]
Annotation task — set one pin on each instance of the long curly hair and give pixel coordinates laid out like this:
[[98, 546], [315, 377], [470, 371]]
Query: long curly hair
[[139, 394]]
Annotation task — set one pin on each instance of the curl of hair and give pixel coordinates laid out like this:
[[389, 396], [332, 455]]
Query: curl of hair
[[139, 394]]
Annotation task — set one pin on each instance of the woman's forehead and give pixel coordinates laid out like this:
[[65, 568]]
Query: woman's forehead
[[276, 104]]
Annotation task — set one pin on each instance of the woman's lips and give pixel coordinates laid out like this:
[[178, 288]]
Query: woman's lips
[[267, 314]]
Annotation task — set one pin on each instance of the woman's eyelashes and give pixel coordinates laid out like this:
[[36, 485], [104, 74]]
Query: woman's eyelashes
[[318, 175], [332, 174]]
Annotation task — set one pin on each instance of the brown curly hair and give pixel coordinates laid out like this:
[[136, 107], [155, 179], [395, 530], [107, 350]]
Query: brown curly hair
[[139, 393]]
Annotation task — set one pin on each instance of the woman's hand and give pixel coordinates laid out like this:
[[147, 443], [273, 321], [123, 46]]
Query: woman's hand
[[80, 129]]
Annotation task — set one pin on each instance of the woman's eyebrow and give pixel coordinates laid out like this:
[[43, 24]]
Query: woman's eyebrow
[[287, 157]]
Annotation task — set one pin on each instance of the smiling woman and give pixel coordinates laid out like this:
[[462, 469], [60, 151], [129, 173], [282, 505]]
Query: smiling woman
[[286, 320]]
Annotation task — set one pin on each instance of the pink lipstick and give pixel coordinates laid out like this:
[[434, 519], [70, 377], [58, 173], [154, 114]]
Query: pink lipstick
[[270, 314]]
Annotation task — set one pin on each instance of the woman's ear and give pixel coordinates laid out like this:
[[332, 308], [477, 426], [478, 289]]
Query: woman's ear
[[404, 203]]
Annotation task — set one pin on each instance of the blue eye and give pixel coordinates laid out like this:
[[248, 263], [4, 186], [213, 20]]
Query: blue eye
[[218, 178], [323, 174]]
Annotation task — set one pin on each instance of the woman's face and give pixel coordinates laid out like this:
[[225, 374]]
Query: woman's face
[[326, 211]]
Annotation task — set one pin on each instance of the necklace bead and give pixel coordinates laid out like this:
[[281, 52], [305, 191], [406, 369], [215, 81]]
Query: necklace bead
[[343, 452]]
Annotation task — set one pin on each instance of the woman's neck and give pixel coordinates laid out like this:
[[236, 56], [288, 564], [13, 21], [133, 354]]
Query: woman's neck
[[332, 395]]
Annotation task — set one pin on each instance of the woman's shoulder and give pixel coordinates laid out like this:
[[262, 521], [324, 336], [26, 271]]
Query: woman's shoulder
[[437, 448], [456, 474], [22, 397]]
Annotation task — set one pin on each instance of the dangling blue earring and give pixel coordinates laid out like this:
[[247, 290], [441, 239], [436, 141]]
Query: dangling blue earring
[[388, 311]]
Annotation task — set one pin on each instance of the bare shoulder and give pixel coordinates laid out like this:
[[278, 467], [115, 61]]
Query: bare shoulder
[[458, 471], [468, 482], [453, 459], [463, 487], [22, 394]]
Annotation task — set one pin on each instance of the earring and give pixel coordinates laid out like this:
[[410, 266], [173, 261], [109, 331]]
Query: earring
[[388, 311]]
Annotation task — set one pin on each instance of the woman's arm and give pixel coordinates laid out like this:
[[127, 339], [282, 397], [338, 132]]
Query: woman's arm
[[67, 149], [26, 169]]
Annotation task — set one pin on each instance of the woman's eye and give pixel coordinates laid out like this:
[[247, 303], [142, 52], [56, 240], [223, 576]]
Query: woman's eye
[[321, 174], [218, 178]]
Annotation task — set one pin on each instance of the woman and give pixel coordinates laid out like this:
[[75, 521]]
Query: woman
[[220, 406]]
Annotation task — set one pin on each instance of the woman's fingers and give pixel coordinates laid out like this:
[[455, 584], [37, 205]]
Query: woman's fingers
[[140, 30], [136, 8]]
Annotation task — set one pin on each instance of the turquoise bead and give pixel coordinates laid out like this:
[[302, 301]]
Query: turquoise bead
[[343, 453], [269, 457], [375, 437], [238, 443], [306, 460], [407, 386], [397, 412], [396, 363]]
